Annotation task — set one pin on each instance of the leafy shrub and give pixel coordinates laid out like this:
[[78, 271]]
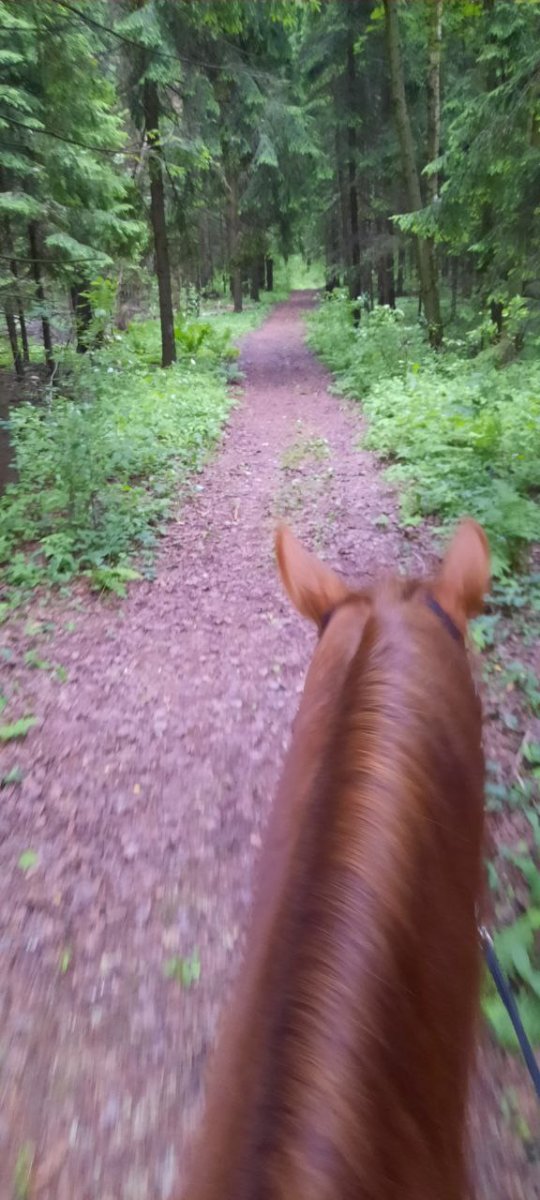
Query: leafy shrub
[[97, 466], [193, 338], [383, 344], [517, 950], [101, 294], [462, 435], [331, 331], [518, 945]]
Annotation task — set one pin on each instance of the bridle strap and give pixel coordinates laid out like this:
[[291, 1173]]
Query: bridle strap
[[447, 621], [325, 620], [432, 604], [507, 996]]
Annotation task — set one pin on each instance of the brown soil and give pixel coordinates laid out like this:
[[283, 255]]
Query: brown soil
[[145, 790]]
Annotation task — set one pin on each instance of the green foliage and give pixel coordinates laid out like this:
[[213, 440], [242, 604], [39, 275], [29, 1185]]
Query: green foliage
[[492, 157], [303, 449], [27, 860], [17, 204], [301, 274], [483, 631], [12, 778], [201, 339], [531, 754], [382, 345], [22, 1175], [186, 971], [99, 465], [235, 325], [518, 944], [518, 950], [17, 729], [112, 578], [65, 176], [65, 960], [462, 435], [526, 680], [331, 332]]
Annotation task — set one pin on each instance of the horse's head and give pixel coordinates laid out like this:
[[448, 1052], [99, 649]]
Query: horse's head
[[417, 626], [457, 590], [343, 1064]]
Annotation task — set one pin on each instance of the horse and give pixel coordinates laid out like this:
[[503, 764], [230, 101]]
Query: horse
[[342, 1067]]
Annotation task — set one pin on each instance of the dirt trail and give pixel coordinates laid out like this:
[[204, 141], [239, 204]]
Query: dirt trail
[[146, 786]]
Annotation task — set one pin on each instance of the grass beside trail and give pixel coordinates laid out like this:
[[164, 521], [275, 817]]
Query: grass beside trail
[[99, 461], [459, 430]]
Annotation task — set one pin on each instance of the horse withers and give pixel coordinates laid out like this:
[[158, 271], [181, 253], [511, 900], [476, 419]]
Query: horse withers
[[341, 1072]]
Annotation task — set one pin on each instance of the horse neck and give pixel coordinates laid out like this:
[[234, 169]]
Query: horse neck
[[345, 1065]]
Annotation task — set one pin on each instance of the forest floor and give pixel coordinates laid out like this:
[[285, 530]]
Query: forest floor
[[128, 844]]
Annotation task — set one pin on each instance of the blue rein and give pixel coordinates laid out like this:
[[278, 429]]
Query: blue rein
[[507, 996]]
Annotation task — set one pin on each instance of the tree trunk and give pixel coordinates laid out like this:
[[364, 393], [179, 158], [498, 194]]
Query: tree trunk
[[8, 240], [13, 339], [159, 225], [34, 243], [489, 215], [254, 281], [466, 277], [496, 313], [234, 245], [22, 327], [435, 12], [269, 265], [454, 283], [381, 282], [386, 292], [82, 312], [400, 278], [207, 261], [237, 294], [385, 280], [426, 258], [340, 245], [434, 16], [354, 271], [20, 314]]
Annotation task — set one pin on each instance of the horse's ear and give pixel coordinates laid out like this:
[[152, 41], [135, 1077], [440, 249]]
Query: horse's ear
[[313, 588], [464, 577]]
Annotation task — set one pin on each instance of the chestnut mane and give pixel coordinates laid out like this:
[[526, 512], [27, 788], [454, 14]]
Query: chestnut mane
[[342, 1069]]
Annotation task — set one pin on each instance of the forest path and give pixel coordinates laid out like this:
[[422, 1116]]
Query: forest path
[[146, 786]]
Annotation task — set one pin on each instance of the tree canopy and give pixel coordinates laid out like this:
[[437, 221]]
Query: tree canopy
[[397, 142]]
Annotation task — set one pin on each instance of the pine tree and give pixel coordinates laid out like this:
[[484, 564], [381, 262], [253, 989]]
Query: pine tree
[[66, 193], [425, 248]]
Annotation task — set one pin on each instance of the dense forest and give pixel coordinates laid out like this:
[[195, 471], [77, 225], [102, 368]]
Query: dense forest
[[398, 143], [169, 157]]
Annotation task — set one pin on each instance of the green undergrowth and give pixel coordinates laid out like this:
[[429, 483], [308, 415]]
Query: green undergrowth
[[460, 432], [236, 324], [514, 877], [35, 352], [99, 461], [301, 274]]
